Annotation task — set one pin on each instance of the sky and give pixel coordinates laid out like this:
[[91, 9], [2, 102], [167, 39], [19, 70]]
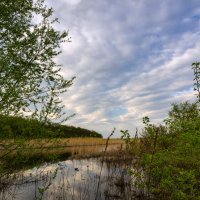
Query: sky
[[131, 59]]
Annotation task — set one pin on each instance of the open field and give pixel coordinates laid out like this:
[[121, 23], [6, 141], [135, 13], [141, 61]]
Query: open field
[[36, 151], [77, 147], [71, 142], [57, 143]]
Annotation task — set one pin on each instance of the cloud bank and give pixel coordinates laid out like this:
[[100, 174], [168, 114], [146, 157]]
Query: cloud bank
[[131, 58]]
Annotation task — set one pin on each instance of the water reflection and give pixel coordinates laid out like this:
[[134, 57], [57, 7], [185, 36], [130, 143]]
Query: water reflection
[[71, 180]]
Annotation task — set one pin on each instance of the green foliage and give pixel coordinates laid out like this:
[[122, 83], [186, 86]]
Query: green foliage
[[70, 131], [168, 164], [180, 115], [126, 137], [30, 80], [132, 144], [196, 68], [19, 127]]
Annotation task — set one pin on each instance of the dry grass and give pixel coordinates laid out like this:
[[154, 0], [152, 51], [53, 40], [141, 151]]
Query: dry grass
[[60, 142], [71, 142], [77, 147]]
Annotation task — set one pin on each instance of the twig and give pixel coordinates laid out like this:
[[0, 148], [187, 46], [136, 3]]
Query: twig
[[103, 163]]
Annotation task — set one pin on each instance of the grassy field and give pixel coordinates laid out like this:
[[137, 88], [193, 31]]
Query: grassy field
[[58, 142], [77, 147], [35, 152], [71, 142]]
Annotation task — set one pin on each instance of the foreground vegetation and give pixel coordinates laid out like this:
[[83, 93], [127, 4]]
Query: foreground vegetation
[[168, 164]]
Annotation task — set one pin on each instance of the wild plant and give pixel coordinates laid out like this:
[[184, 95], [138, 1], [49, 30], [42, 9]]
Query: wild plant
[[167, 165]]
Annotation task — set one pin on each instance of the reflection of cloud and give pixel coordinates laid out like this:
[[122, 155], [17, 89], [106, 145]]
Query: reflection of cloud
[[132, 56], [68, 181]]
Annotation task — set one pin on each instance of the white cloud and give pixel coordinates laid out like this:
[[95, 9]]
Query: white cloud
[[132, 55]]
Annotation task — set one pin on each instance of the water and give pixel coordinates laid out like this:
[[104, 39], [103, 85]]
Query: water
[[84, 179]]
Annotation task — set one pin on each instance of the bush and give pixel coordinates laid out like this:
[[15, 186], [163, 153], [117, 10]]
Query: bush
[[168, 165]]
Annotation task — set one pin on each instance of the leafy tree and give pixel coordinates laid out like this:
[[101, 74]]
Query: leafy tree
[[196, 68], [30, 79], [181, 115]]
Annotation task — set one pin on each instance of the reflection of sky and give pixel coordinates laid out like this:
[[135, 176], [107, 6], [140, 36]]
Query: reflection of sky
[[74, 179], [123, 52]]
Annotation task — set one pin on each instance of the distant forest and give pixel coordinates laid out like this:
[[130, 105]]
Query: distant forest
[[18, 127]]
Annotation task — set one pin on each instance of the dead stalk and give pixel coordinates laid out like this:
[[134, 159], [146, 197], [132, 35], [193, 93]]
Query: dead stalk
[[103, 158]]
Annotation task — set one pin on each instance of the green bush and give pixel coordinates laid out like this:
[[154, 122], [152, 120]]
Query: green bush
[[168, 165]]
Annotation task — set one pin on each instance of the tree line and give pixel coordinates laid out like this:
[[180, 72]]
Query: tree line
[[12, 127]]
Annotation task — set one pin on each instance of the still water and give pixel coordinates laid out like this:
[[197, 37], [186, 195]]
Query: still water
[[83, 179]]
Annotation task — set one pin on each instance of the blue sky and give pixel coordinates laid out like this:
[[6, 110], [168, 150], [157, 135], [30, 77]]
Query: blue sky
[[131, 58]]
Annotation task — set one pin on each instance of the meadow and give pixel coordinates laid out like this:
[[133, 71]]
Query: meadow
[[23, 154]]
